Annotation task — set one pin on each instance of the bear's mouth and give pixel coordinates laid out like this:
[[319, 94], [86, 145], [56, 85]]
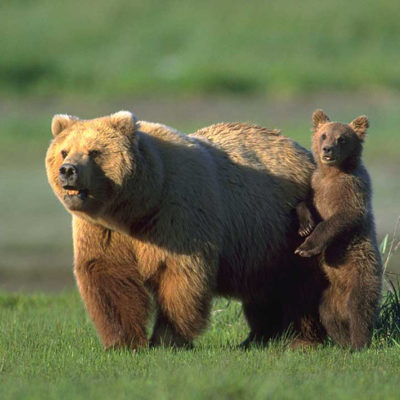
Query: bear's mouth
[[328, 159], [77, 199], [73, 192]]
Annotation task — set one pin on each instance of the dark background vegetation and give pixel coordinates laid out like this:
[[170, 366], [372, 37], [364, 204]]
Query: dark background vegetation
[[188, 47]]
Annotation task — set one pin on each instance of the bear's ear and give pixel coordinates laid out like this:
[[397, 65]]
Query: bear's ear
[[360, 126], [124, 121], [60, 122], [319, 118]]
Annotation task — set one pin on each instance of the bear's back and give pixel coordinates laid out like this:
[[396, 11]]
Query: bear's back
[[260, 149], [262, 175], [234, 186]]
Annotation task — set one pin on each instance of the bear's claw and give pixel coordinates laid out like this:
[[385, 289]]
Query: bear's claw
[[305, 231], [308, 250]]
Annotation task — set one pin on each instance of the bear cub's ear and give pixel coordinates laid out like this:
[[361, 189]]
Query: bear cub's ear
[[360, 126], [61, 122], [319, 118], [124, 121]]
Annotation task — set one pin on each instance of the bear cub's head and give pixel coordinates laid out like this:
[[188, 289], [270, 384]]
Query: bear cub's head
[[337, 144], [88, 160]]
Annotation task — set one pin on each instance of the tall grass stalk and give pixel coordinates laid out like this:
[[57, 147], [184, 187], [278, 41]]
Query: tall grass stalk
[[388, 324]]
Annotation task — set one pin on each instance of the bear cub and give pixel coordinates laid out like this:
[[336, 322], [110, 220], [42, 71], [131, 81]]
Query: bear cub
[[338, 224]]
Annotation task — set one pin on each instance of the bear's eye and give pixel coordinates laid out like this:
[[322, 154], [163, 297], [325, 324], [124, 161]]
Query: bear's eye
[[94, 153], [64, 153], [323, 136], [341, 140]]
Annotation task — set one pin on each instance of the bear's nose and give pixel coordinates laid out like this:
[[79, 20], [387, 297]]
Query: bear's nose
[[327, 149], [68, 175]]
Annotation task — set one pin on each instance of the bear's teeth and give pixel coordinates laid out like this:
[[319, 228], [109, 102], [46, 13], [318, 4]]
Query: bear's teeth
[[73, 192]]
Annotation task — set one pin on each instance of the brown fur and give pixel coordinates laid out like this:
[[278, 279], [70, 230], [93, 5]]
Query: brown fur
[[182, 218], [344, 237]]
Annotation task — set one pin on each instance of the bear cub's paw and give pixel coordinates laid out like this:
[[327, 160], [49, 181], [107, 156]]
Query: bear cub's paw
[[306, 220], [309, 248], [305, 230]]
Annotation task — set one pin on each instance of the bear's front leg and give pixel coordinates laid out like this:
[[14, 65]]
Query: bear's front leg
[[310, 247], [110, 285], [306, 220], [183, 299]]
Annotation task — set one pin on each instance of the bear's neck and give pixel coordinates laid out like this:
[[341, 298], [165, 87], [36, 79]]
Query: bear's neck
[[141, 195]]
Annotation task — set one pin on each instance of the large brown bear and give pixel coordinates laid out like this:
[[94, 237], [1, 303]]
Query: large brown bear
[[344, 238], [183, 218]]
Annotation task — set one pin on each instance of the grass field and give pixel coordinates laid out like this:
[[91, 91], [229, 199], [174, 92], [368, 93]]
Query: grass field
[[49, 350], [138, 47]]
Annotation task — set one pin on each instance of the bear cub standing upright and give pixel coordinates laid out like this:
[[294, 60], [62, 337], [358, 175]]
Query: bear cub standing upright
[[344, 237]]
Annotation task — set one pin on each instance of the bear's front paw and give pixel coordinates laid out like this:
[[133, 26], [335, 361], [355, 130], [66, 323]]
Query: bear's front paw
[[306, 220], [309, 249], [305, 230]]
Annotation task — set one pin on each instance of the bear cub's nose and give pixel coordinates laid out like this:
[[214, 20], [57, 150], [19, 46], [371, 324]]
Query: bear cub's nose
[[68, 175], [327, 150]]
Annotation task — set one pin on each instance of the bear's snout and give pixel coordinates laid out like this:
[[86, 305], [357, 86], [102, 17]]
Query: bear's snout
[[68, 175], [328, 150]]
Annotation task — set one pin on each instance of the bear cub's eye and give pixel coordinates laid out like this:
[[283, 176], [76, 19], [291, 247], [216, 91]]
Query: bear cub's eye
[[323, 136], [94, 153], [64, 153]]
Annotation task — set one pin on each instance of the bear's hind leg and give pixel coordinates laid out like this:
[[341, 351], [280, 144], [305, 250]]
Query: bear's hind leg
[[363, 308], [361, 327], [334, 317], [264, 321], [366, 294]]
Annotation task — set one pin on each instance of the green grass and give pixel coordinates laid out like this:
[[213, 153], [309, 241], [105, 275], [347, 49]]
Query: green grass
[[49, 349], [149, 47]]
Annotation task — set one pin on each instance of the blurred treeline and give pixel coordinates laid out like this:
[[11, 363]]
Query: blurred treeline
[[121, 47]]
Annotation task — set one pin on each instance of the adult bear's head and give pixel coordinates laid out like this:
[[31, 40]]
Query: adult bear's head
[[88, 161]]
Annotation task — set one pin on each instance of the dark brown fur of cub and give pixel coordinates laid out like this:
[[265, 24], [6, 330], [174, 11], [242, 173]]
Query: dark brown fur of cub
[[344, 238]]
